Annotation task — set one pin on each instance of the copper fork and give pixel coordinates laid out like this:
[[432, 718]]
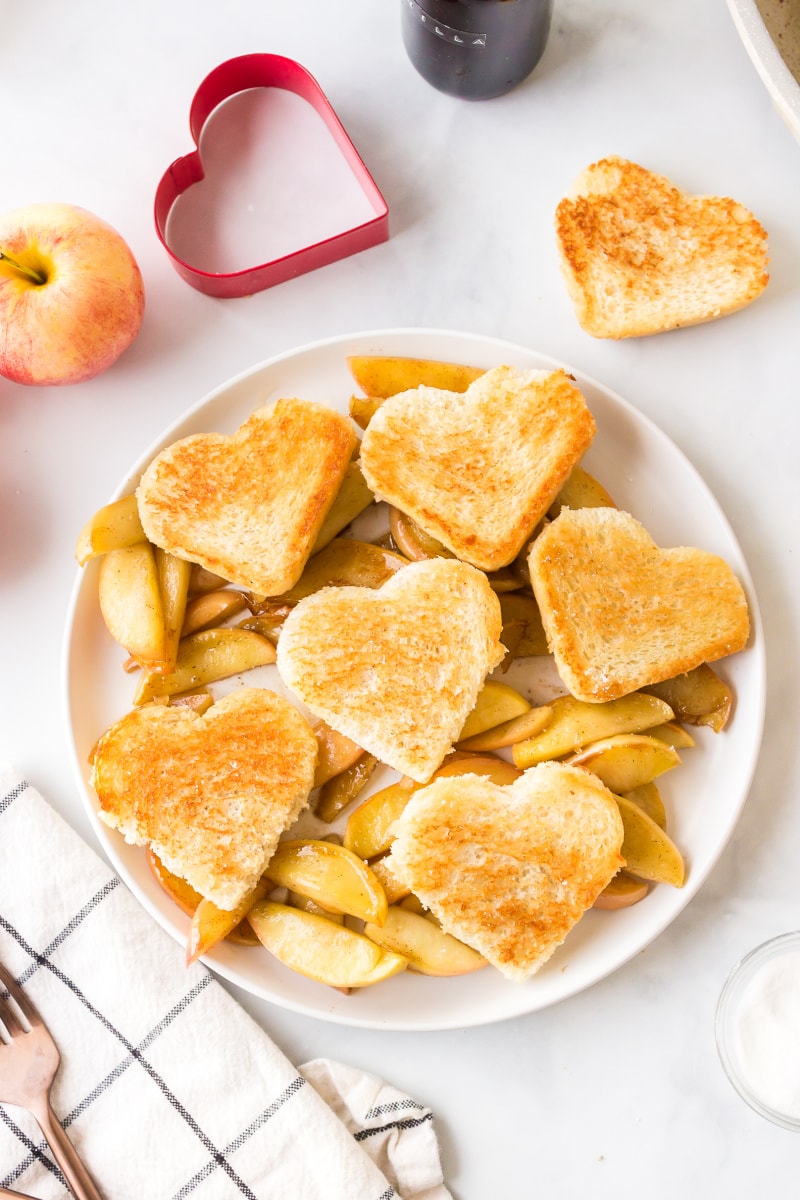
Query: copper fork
[[29, 1059]]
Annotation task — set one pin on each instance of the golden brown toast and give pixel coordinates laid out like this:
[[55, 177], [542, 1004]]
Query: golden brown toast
[[478, 469], [249, 505], [510, 870], [396, 669], [213, 793], [640, 256], [620, 612]]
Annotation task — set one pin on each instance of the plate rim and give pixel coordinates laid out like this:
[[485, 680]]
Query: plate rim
[[770, 65], [217, 961]]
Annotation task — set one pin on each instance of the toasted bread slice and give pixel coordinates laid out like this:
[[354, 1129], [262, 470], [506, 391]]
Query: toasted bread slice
[[248, 506], [621, 613], [211, 794], [510, 870], [640, 256], [396, 669], [478, 469]]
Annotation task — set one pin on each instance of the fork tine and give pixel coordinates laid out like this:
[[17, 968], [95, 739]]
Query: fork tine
[[44, 1051], [16, 993], [10, 1019]]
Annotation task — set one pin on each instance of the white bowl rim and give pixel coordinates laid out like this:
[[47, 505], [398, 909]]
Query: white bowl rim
[[768, 60], [737, 978]]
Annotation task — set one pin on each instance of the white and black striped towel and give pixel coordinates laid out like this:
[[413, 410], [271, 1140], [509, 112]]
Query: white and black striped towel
[[168, 1088]]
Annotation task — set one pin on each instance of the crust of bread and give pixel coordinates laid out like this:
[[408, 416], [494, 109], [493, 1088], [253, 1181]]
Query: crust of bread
[[396, 669], [478, 469], [249, 505], [213, 793], [510, 870], [621, 613], [640, 256]]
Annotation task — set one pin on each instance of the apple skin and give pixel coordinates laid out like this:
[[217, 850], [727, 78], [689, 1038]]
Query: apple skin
[[88, 310]]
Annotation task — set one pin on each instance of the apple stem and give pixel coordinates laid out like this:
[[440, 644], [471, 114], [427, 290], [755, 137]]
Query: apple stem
[[27, 272]]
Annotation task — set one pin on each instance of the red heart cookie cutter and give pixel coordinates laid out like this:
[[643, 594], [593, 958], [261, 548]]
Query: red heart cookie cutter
[[239, 75]]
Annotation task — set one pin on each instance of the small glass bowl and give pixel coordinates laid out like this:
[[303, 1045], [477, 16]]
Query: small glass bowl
[[729, 1010]]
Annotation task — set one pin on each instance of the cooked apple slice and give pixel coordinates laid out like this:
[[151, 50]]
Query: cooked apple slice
[[622, 892], [412, 541], [394, 888], [388, 964], [199, 701], [523, 633], [520, 564], [626, 760], [267, 624], [368, 832], [320, 949], [496, 703], [496, 769], [243, 934], [210, 925], [575, 724], [344, 562], [178, 890], [306, 904], [351, 500], [113, 527], [648, 851], [210, 609], [581, 490], [699, 697], [510, 732], [173, 578], [504, 581], [342, 789], [427, 948], [363, 409], [205, 657], [648, 797], [673, 734], [331, 875], [384, 376], [130, 601], [335, 753], [203, 580]]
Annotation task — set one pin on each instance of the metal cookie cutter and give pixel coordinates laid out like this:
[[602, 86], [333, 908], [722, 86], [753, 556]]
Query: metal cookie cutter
[[239, 75]]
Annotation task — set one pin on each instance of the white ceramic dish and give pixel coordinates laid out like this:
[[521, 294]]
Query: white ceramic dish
[[757, 997], [646, 474], [770, 31]]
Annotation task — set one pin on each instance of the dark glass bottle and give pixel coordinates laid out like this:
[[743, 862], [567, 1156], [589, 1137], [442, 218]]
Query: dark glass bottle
[[475, 49]]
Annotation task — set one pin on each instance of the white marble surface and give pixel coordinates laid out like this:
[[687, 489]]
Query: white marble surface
[[617, 1088]]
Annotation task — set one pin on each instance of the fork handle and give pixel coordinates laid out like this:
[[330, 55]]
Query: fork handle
[[80, 1181], [7, 1194]]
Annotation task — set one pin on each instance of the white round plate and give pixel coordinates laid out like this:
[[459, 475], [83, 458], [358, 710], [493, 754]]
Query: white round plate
[[647, 475]]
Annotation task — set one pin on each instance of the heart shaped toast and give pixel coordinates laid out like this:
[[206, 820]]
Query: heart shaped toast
[[396, 669], [249, 505], [621, 613], [640, 256], [213, 793], [510, 870], [478, 469]]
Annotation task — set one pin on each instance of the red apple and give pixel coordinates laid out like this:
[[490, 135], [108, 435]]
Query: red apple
[[71, 295]]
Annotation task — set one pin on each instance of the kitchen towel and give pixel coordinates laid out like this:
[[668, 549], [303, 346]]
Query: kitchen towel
[[167, 1087]]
